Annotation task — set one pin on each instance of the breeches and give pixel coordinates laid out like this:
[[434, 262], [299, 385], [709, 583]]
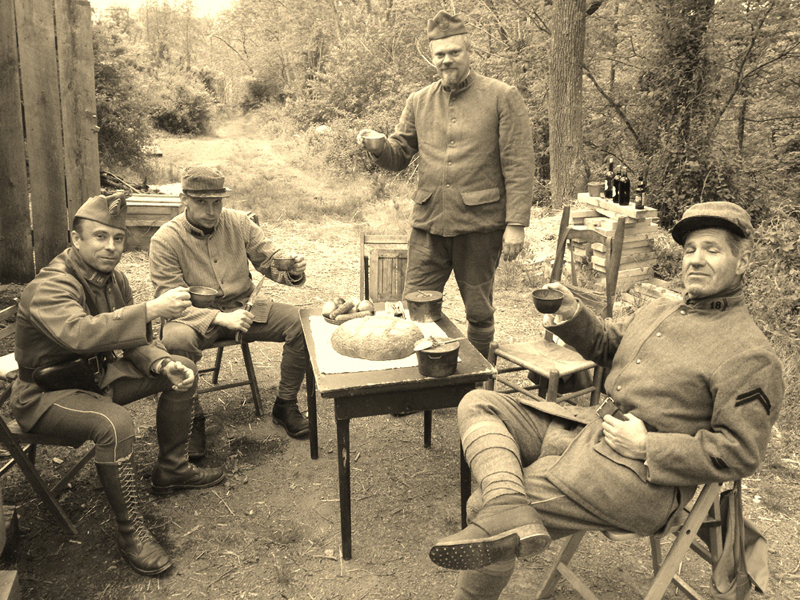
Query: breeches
[[283, 325], [104, 419], [473, 257]]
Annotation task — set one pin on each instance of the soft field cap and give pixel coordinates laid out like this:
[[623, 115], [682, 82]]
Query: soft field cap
[[713, 215], [203, 182], [108, 210], [444, 26]]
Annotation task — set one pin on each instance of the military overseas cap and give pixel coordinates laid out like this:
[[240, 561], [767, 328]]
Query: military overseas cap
[[717, 215], [108, 210], [444, 26], [203, 182]]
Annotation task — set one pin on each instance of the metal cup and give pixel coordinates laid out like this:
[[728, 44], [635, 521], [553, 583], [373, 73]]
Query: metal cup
[[374, 142]]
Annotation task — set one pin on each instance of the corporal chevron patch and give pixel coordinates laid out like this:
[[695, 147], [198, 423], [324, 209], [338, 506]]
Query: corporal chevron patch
[[753, 396]]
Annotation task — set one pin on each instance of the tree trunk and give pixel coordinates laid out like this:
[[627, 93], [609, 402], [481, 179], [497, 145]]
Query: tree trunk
[[565, 100]]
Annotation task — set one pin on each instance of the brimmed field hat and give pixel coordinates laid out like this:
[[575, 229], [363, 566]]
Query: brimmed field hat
[[108, 210], [444, 26], [203, 182], [716, 215]]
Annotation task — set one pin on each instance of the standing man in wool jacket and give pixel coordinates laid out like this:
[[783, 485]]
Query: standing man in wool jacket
[[475, 190]]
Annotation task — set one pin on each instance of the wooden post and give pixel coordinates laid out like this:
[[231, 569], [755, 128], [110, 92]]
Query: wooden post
[[78, 105], [16, 247], [45, 151]]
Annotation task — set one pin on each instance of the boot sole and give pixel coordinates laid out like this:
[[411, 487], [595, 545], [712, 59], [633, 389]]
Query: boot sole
[[299, 434], [168, 489], [141, 571], [475, 554]]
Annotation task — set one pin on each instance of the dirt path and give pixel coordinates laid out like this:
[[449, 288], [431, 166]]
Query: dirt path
[[272, 531]]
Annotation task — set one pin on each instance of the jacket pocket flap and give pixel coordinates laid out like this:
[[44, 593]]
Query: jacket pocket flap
[[637, 466], [481, 197], [422, 196]]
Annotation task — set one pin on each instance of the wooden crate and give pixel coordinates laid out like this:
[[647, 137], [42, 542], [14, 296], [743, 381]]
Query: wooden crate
[[146, 213], [638, 255]]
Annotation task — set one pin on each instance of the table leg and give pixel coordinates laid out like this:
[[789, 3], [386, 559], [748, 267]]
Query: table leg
[[466, 488], [343, 445], [311, 391], [427, 424]]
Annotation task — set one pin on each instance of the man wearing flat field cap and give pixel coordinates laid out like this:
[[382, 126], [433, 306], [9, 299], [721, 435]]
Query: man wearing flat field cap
[[475, 190], [697, 387]]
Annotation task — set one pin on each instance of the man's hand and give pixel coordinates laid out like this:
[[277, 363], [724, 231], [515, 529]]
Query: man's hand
[[238, 320], [181, 376], [513, 237], [169, 305], [299, 264], [568, 308], [626, 437]]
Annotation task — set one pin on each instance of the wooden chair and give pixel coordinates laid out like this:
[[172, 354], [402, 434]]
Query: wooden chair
[[704, 516], [547, 361], [383, 267], [21, 446]]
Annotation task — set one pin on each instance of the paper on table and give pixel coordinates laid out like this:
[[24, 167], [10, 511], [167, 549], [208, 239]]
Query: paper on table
[[329, 361]]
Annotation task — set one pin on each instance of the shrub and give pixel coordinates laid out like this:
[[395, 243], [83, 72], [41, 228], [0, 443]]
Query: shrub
[[260, 90], [183, 105]]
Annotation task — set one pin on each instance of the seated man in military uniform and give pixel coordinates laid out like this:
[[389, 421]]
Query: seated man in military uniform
[[73, 384], [697, 389]]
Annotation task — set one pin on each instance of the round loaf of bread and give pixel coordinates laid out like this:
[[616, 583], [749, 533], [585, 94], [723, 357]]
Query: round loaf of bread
[[376, 338]]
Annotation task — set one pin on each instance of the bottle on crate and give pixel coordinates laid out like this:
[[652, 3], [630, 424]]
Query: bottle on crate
[[639, 194], [608, 192], [617, 182], [624, 188]]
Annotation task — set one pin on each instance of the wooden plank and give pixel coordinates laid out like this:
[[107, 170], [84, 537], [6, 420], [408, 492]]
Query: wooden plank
[[625, 211], [78, 106], [16, 246], [37, 58]]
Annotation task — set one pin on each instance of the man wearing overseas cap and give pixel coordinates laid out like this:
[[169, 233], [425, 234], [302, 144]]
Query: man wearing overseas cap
[[213, 246], [85, 350], [698, 389], [475, 190]]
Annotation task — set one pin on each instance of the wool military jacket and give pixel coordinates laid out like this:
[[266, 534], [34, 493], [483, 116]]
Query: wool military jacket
[[183, 255], [475, 156], [55, 324], [705, 381]]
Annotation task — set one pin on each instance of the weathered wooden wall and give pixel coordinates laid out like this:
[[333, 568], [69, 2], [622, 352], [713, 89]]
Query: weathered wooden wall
[[49, 160]]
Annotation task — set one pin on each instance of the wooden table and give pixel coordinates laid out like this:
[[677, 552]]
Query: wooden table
[[388, 391]]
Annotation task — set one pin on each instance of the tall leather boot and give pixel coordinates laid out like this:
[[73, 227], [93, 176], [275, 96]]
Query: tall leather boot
[[484, 584], [135, 541], [174, 471], [197, 436]]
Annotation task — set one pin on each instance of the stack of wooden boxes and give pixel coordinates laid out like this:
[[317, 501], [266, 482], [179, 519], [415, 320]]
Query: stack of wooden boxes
[[146, 213], [638, 255]]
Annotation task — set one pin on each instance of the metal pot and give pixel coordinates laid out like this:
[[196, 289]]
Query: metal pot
[[440, 360], [424, 306]]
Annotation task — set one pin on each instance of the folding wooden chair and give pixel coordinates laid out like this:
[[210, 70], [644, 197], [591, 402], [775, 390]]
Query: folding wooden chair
[[21, 446], [547, 361], [383, 267], [703, 515]]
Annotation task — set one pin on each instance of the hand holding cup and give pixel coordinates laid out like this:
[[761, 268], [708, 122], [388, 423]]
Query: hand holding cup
[[372, 140]]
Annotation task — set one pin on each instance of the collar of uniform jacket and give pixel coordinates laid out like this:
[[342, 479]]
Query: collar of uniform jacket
[[195, 231], [88, 273], [723, 301], [461, 86]]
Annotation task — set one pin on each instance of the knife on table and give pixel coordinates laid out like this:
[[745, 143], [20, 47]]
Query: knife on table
[[249, 306]]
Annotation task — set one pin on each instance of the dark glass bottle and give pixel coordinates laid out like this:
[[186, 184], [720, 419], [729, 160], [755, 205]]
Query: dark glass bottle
[[617, 181], [639, 194], [608, 192], [624, 188]]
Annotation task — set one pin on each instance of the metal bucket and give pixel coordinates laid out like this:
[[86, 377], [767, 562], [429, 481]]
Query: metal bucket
[[424, 306], [438, 361]]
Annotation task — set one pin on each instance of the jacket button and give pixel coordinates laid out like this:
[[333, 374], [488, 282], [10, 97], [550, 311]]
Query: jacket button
[[638, 361], [619, 387], [683, 312], [658, 334]]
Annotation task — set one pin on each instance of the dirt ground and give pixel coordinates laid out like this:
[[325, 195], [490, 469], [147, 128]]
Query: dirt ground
[[272, 530]]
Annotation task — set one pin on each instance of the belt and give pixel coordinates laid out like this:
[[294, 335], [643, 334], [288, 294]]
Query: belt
[[95, 362]]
